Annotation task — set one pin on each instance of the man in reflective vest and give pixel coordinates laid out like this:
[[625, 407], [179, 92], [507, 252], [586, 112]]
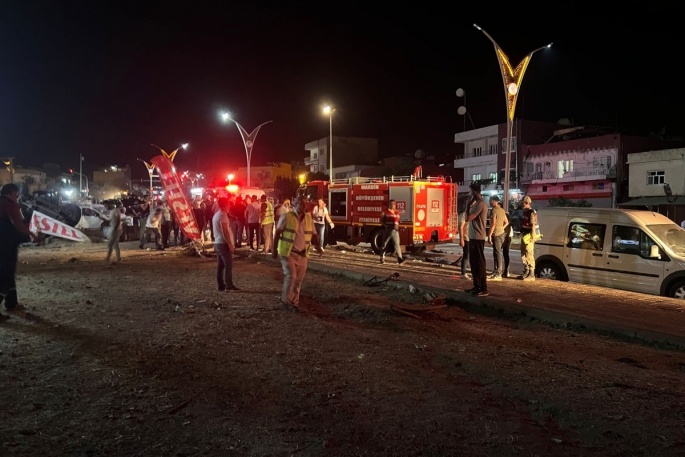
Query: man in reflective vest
[[266, 218], [528, 225], [294, 236]]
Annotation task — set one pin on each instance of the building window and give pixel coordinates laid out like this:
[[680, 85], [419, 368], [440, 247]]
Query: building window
[[544, 188], [320, 167], [513, 144], [568, 187], [477, 152], [656, 177], [586, 236], [315, 155], [493, 177], [565, 167], [529, 167], [492, 148], [475, 177], [598, 186]]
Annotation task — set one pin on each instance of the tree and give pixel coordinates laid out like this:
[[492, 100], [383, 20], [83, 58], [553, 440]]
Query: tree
[[285, 187], [563, 202]]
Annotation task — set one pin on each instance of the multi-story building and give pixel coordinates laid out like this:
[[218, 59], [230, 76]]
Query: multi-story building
[[113, 176], [264, 177], [484, 155], [346, 151], [649, 172], [589, 168], [33, 178]]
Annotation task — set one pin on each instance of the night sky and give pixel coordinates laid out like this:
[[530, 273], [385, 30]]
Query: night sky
[[106, 79]]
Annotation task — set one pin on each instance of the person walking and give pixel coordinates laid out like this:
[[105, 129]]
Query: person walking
[[320, 216], [114, 231], [528, 226], [266, 219], [498, 224], [142, 212], [154, 221], [252, 209], [224, 246], [237, 215], [281, 210], [477, 216], [13, 232], [294, 235], [464, 241], [390, 219]]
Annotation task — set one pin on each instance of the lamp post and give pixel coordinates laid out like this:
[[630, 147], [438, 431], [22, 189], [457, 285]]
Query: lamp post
[[150, 171], [248, 139], [230, 178], [512, 78], [173, 154], [329, 112], [81, 178]]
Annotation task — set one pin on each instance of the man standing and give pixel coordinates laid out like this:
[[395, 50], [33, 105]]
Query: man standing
[[498, 223], [390, 218], [167, 220], [143, 211], [224, 245], [237, 214], [528, 225], [199, 213], [464, 241], [13, 232], [252, 218], [115, 231], [266, 218], [294, 235], [154, 220], [477, 216]]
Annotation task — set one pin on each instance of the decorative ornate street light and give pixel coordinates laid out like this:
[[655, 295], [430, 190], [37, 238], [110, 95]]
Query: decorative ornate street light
[[512, 78], [248, 139]]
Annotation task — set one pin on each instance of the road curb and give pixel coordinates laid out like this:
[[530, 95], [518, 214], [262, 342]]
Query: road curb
[[546, 316]]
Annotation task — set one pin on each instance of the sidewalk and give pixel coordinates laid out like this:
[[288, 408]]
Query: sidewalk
[[649, 318]]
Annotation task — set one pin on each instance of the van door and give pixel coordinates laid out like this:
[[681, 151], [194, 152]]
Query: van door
[[629, 265], [584, 254]]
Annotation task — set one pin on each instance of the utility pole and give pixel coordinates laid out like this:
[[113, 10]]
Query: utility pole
[[80, 176]]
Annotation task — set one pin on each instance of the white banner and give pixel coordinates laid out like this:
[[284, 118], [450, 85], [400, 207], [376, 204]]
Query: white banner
[[40, 223]]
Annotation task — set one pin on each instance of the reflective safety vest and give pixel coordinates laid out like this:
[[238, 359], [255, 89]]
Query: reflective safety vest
[[292, 223], [268, 214]]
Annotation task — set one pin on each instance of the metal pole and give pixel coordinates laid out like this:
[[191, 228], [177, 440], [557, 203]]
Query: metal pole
[[80, 176], [507, 166], [330, 151], [467, 111]]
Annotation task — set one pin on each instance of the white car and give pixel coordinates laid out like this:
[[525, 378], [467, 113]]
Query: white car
[[90, 218]]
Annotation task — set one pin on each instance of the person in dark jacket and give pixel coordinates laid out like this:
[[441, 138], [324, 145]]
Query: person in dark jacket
[[13, 232]]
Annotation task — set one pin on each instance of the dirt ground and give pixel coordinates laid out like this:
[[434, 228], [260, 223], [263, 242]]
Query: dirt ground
[[146, 358]]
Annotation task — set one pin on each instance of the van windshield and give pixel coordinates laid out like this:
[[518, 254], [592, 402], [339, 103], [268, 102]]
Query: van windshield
[[671, 235]]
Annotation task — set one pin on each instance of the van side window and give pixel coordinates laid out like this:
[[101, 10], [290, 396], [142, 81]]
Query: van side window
[[586, 236], [631, 240]]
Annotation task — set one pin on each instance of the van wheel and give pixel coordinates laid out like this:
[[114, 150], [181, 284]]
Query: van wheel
[[678, 290], [549, 270]]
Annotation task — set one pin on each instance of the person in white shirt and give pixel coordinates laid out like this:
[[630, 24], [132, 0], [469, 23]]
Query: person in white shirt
[[224, 245], [114, 231], [320, 216], [154, 221], [252, 211]]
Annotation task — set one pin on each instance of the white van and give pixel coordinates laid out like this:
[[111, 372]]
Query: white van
[[632, 250]]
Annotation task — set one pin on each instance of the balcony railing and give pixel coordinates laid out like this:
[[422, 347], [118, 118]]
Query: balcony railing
[[604, 172], [469, 155]]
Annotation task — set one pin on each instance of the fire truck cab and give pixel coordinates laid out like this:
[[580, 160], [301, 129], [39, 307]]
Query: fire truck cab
[[427, 207]]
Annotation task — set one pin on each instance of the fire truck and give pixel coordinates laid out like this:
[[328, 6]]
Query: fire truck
[[427, 207]]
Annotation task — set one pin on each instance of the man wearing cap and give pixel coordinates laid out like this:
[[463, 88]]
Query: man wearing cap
[[498, 222], [528, 224]]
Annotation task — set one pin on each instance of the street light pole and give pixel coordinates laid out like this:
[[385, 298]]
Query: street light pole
[[512, 78], [248, 140], [150, 171], [328, 110], [80, 173]]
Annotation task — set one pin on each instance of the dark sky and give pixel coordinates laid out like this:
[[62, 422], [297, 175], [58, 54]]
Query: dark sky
[[106, 79]]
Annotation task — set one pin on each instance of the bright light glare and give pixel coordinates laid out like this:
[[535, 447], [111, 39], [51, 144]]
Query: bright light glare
[[327, 110], [549, 45], [225, 116], [231, 176], [476, 26], [513, 88], [68, 193], [184, 145]]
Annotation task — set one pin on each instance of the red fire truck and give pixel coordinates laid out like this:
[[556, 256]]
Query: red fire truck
[[427, 207]]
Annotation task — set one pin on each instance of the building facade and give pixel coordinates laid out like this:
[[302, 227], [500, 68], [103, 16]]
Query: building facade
[[593, 169], [264, 177], [649, 172], [484, 157], [346, 151]]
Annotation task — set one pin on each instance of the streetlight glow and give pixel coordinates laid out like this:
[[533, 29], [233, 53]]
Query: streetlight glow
[[184, 145], [225, 116], [327, 109], [248, 139], [512, 88]]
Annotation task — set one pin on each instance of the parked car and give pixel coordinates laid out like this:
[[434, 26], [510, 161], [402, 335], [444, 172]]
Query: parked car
[[91, 220], [640, 251]]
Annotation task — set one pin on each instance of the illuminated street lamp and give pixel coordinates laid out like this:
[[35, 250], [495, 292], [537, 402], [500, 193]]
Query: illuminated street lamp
[[328, 111], [173, 154], [512, 78], [230, 178], [248, 139], [303, 178], [150, 171]]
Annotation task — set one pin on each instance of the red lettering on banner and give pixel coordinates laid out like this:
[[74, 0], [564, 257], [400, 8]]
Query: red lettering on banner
[[178, 201], [44, 224]]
